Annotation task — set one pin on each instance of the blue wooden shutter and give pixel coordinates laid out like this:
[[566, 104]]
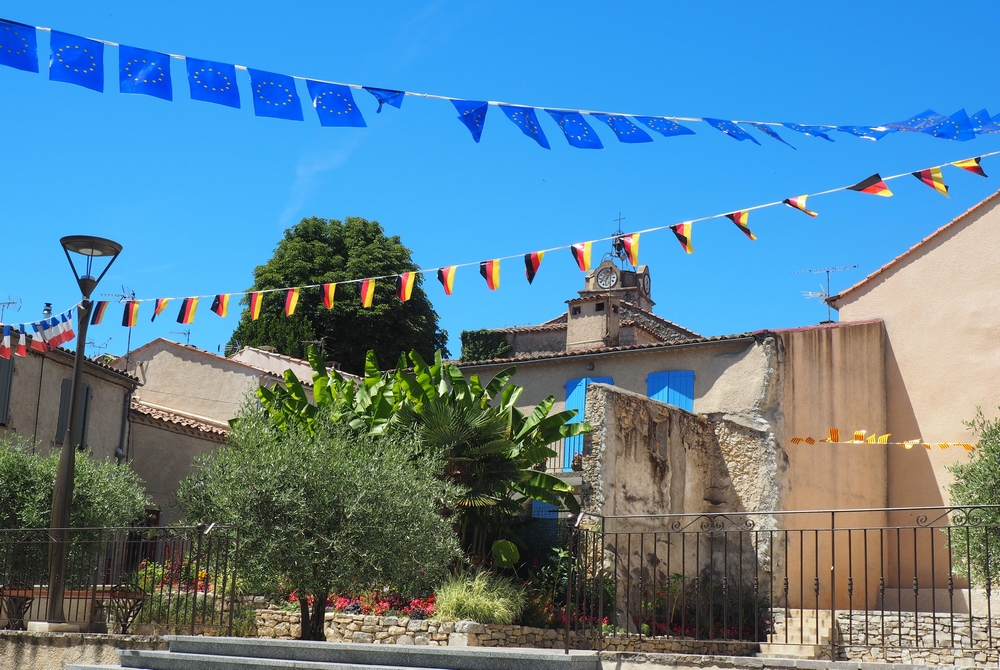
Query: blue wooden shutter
[[675, 387], [576, 398], [543, 510]]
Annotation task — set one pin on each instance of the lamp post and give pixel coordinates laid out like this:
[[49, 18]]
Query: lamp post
[[86, 248]]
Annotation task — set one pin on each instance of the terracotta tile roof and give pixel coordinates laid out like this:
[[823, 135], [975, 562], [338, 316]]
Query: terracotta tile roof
[[651, 319], [533, 329], [548, 355], [177, 420], [898, 259]]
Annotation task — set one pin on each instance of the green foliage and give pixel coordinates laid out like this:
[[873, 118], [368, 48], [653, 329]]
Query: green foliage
[[318, 251], [325, 508], [975, 539], [104, 494], [479, 596], [484, 345]]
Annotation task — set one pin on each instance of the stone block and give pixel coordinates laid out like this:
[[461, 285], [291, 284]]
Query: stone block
[[405, 640], [413, 625], [420, 639], [363, 638], [390, 621], [396, 630], [446, 627], [462, 640], [469, 627]]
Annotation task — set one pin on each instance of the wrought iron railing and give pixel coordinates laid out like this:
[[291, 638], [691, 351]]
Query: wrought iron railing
[[125, 580], [856, 584], [566, 450]]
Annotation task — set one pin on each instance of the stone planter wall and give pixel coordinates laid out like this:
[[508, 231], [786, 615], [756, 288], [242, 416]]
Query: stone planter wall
[[281, 624], [926, 638]]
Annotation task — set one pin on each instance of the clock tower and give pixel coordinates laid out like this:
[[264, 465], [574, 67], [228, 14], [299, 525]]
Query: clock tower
[[596, 318], [629, 285]]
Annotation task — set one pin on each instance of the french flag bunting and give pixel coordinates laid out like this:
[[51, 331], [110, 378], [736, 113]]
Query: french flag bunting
[[37, 339], [67, 325], [55, 332], [22, 341], [5, 347]]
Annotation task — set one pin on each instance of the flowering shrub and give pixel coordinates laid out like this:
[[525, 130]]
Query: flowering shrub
[[382, 602]]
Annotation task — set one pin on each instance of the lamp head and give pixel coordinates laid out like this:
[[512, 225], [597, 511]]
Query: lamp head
[[89, 247]]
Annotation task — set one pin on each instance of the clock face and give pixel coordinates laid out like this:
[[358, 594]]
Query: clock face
[[645, 284], [607, 278]]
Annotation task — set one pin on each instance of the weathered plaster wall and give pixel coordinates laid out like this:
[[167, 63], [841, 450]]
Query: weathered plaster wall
[[36, 389], [53, 651], [526, 342]]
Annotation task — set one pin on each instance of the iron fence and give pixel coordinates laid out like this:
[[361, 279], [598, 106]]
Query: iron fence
[[854, 584], [125, 580]]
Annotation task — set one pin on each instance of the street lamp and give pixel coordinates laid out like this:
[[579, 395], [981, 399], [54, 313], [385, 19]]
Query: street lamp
[[85, 248]]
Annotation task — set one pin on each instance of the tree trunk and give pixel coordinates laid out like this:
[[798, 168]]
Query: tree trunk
[[313, 623]]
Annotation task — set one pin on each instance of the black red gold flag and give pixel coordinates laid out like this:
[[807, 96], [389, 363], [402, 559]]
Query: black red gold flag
[[740, 219], [404, 285], [159, 306], [447, 278], [799, 203], [532, 262], [188, 308], [683, 233], [490, 270], [131, 315], [367, 292], [972, 165], [221, 304], [329, 290], [291, 301], [100, 307], [932, 177], [255, 302], [630, 244], [581, 254], [873, 186]]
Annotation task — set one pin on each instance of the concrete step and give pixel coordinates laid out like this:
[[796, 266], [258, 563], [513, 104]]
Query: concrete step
[[792, 650], [167, 660], [807, 638]]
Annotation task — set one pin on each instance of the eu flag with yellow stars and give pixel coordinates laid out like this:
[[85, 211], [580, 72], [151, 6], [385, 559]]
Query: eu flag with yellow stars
[[578, 132], [274, 95], [626, 131], [473, 114], [525, 119], [920, 122], [144, 72], [76, 60], [334, 104], [731, 129], [18, 46], [386, 96], [954, 127], [213, 82], [664, 126], [982, 124], [770, 132], [811, 131], [867, 132]]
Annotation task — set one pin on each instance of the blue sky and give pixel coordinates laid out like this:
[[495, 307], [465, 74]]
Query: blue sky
[[199, 194]]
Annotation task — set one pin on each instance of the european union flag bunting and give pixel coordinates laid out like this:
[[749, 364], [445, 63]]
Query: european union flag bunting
[[334, 104], [274, 95], [770, 132], [954, 127], [915, 124], [812, 131], [18, 46], [578, 132], [473, 114], [144, 72], [731, 129], [867, 132], [525, 119], [386, 96], [213, 82], [76, 60], [665, 127], [626, 131], [982, 124]]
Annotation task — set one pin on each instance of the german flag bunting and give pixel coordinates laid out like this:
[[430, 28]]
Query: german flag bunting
[[972, 165], [932, 177], [873, 186], [221, 304], [159, 306], [291, 301], [328, 295], [404, 285], [131, 315], [367, 292], [447, 278], [490, 270], [532, 262], [630, 243], [683, 233], [799, 203], [581, 254], [740, 219], [255, 302], [100, 307], [188, 308]]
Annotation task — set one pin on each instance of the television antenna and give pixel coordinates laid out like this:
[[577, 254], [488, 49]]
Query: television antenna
[[823, 294], [13, 303], [99, 347], [126, 295], [321, 343], [185, 333]]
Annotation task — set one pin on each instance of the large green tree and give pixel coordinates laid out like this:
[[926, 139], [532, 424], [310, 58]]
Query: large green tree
[[321, 251]]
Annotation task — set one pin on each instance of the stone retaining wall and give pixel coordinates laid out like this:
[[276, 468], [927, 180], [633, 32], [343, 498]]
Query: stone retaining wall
[[282, 624], [52, 651], [926, 638]]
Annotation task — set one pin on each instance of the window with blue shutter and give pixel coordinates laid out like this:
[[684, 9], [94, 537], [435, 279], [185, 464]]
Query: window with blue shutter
[[675, 387], [576, 398], [543, 510]]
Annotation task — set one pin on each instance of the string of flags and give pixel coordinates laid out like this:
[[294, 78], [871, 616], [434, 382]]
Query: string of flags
[[80, 61], [44, 334], [49, 330], [861, 437]]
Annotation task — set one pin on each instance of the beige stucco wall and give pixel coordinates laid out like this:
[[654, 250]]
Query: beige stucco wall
[[36, 388], [162, 457], [941, 310], [532, 341]]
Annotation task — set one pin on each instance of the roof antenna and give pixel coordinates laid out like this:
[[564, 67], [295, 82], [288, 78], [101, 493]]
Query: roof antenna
[[823, 294], [13, 303], [185, 333]]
